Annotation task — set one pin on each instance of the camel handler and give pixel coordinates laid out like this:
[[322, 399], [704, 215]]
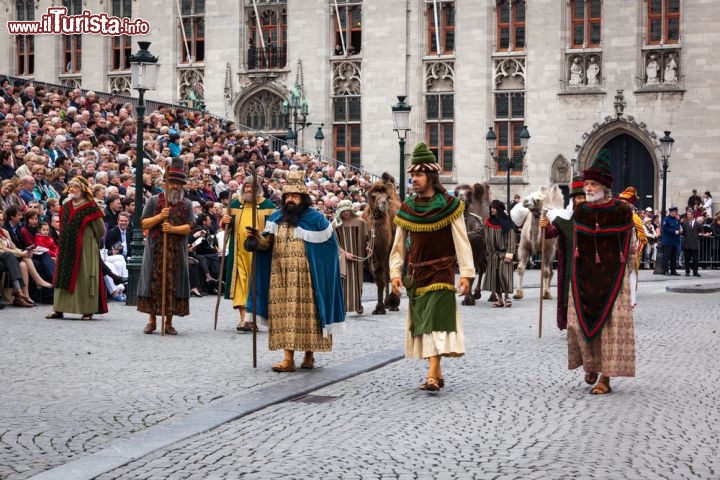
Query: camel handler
[[352, 233], [434, 221], [167, 215], [238, 264]]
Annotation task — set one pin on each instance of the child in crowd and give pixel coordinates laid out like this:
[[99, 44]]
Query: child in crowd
[[43, 239]]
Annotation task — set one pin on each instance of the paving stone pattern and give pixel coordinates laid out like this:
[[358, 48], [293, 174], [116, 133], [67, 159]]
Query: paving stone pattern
[[510, 409]]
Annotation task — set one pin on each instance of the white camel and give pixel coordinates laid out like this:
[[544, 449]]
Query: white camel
[[544, 199]]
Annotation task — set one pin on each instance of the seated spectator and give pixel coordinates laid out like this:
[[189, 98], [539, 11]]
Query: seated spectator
[[44, 240]]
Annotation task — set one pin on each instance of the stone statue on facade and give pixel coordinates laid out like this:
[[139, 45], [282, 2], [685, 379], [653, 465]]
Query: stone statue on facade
[[651, 70], [576, 73]]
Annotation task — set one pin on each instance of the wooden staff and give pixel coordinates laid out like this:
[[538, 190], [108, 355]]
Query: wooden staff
[[542, 272], [253, 271], [222, 265], [164, 283]]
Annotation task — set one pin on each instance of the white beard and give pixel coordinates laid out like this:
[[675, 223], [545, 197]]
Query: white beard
[[594, 197], [175, 196]]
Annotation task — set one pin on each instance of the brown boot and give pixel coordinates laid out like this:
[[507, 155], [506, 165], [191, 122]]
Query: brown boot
[[169, 329], [151, 325]]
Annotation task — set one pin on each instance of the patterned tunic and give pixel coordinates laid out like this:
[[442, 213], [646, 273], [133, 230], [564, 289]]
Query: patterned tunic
[[292, 316], [352, 238], [499, 275]]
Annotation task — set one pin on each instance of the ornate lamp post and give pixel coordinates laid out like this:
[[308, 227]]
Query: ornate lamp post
[[401, 126], [144, 71], [296, 111], [319, 138], [491, 139], [666, 144]]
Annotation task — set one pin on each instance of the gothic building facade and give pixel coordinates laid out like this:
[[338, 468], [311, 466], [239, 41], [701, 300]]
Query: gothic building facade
[[581, 75]]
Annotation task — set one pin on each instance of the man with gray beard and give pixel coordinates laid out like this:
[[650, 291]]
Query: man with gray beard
[[167, 215]]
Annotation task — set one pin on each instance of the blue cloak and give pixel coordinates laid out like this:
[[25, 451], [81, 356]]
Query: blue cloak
[[321, 248]]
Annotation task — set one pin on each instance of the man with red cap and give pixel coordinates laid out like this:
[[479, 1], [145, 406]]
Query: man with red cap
[[601, 336]]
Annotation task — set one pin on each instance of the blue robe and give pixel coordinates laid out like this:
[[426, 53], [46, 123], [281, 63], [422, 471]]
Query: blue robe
[[321, 248]]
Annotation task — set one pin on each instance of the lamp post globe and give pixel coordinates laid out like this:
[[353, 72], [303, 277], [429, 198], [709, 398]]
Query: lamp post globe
[[144, 72]]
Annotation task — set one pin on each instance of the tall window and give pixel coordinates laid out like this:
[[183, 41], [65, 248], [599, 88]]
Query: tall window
[[268, 39], [72, 44], [509, 121], [586, 20], [445, 31], [663, 21], [121, 44], [439, 127], [25, 44], [510, 25], [347, 17], [347, 130], [192, 37]]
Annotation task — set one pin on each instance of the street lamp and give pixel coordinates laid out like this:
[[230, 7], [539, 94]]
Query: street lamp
[[144, 71], [491, 139], [401, 126], [666, 144], [297, 110], [319, 138]]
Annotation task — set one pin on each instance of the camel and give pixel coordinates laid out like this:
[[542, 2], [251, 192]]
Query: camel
[[382, 204], [477, 200], [544, 199]]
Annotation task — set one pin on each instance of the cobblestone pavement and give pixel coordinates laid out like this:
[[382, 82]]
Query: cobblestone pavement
[[510, 409]]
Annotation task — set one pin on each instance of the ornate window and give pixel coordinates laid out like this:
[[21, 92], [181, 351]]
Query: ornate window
[[440, 112], [509, 121], [25, 44], [121, 44], [347, 132], [192, 34], [663, 22], [441, 27], [347, 17], [263, 112], [267, 44], [72, 44], [585, 23], [510, 25]]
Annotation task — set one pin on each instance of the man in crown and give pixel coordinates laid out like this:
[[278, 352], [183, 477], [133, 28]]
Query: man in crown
[[433, 220], [299, 290], [167, 215], [601, 336]]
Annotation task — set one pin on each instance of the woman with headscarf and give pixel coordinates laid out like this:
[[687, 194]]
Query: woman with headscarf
[[500, 246], [79, 286]]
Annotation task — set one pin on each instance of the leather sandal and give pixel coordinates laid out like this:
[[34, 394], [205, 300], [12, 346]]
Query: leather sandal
[[87, 316], [284, 366], [601, 388], [170, 330], [150, 328], [54, 315], [432, 384], [441, 384], [308, 363]]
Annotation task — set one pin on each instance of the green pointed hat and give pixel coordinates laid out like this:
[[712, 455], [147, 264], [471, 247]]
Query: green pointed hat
[[423, 160], [600, 169]]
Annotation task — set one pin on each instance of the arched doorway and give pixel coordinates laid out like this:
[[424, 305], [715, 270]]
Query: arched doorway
[[632, 165]]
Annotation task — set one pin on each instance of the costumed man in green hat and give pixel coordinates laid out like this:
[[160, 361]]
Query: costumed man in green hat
[[432, 234], [601, 335], [238, 264], [79, 284]]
